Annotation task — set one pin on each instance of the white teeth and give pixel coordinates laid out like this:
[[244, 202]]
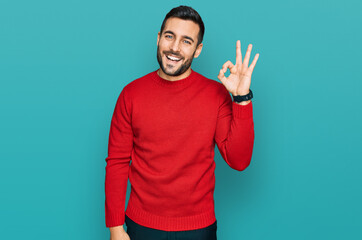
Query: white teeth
[[173, 58]]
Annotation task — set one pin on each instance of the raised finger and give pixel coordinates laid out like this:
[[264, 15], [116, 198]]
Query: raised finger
[[221, 75], [247, 55], [238, 53], [252, 65]]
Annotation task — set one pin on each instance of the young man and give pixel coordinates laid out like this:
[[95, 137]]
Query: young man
[[167, 122]]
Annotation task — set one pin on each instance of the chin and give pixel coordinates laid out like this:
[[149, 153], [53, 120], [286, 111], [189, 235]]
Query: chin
[[172, 71]]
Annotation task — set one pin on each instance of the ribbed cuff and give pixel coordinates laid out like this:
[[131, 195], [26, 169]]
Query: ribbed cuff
[[243, 111], [114, 219]]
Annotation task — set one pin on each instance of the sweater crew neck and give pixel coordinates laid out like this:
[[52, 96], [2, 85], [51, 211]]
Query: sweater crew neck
[[177, 83]]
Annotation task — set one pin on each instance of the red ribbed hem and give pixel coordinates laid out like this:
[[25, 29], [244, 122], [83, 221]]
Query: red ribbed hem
[[170, 223], [243, 111]]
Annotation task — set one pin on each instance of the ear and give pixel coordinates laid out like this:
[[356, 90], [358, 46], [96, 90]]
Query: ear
[[158, 37], [198, 50]]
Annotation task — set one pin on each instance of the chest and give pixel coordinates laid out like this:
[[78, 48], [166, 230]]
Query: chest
[[174, 115]]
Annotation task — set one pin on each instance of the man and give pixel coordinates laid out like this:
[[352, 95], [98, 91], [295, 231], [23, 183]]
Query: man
[[167, 122]]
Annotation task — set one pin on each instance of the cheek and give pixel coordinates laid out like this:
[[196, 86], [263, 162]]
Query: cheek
[[189, 54], [163, 44]]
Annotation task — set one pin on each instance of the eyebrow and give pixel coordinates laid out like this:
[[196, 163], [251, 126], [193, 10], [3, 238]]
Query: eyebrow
[[184, 36]]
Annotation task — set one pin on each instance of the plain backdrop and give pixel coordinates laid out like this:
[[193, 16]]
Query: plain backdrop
[[64, 63]]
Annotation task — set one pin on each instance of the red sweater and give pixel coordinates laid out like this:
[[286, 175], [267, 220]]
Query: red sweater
[[169, 130]]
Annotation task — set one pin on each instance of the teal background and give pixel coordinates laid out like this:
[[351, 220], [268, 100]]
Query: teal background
[[63, 64]]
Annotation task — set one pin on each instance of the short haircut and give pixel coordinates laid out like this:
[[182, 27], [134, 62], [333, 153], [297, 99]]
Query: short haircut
[[186, 13]]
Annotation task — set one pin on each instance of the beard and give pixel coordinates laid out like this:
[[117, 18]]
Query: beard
[[178, 71]]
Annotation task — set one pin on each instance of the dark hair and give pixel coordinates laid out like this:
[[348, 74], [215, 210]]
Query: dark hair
[[186, 13]]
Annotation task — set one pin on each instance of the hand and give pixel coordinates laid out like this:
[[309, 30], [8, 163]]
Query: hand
[[238, 82], [118, 233]]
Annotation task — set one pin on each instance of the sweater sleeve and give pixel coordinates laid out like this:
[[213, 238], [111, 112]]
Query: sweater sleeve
[[235, 132], [120, 147]]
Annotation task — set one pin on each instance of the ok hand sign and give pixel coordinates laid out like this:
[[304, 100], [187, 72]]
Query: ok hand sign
[[238, 82]]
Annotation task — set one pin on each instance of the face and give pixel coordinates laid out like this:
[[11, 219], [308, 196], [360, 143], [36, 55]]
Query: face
[[177, 47]]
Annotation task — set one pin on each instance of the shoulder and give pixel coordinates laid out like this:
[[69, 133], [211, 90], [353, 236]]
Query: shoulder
[[213, 86], [137, 84]]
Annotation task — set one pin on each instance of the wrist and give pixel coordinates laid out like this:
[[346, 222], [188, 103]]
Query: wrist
[[241, 93], [116, 229], [243, 103], [245, 98]]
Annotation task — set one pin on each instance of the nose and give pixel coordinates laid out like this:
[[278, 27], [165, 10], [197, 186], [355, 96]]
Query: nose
[[175, 46]]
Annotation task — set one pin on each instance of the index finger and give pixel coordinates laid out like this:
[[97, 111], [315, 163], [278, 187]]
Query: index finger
[[238, 53]]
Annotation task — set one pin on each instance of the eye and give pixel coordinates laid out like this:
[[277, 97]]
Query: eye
[[187, 42], [168, 36]]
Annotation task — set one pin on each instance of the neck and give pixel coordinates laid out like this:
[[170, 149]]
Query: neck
[[163, 75]]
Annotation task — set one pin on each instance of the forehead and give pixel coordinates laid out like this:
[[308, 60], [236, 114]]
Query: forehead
[[182, 27]]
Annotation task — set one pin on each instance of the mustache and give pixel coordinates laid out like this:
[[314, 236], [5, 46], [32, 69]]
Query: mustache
[[173, 53]]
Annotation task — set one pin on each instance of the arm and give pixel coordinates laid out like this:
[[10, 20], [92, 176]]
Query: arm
[[119, 156], [235, 127], [235, 133]]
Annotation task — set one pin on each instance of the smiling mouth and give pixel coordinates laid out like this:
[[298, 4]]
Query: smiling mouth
[[174, 59]]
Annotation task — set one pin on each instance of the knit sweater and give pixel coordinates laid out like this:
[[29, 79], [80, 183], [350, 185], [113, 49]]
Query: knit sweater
[[162, 137]]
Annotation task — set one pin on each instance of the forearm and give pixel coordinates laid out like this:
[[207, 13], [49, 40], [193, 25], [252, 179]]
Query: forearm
[[115, 191], [238, 148], [236, 136]]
